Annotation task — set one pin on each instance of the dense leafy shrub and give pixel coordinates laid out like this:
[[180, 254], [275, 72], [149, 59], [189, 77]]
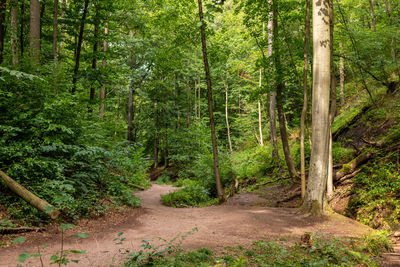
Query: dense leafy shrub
[[193, 195], [376, 198]]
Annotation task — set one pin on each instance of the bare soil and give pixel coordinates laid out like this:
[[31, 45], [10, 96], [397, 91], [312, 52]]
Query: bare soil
[[239, 221]]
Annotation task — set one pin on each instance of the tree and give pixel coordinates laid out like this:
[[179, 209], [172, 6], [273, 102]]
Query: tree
[[14, 33], [220, 190], [316, 197], [34, 32], [3, 4]]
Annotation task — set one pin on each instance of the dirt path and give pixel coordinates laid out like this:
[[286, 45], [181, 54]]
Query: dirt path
[[236, 222]]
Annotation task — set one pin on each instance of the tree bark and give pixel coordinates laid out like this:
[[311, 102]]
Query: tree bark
[[272, 97], [34, 32], [371, 10], [79, 46], [155, 165], [55, 30], [259, 114], [227, 116], [3, 4], [104, 64], [14, 34], [95, 50], [316, 197], [279, 99], [220, 190], [26, 195], [305, 100], [342, 77]]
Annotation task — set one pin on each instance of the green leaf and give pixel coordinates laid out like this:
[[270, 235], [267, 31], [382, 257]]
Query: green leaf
[[199, 24], [77, 251], [49, 209], [82, 235], [66, 226], [120, 233], [20, 239], [23, 257]]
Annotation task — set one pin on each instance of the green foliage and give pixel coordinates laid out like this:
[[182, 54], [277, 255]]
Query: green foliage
[[163, 179], [325, 251], [193, 194], [376, 198]]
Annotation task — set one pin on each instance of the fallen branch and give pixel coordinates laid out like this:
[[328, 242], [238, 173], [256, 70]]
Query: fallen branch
[[350, 167], [137, 186], [9, 231], [29, 197], [296, 193], [349, 176]]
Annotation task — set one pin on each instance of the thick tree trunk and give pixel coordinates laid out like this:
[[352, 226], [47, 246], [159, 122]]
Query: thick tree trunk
[[227, 116], [14, 33], [220, 190], [305, 101], [26, 195], [272, 97], [34, 32], [279, 99], [79, 46], [103, 88], [315, 199]]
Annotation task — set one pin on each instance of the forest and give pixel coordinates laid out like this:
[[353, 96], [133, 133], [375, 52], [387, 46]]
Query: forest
[[201, 132]]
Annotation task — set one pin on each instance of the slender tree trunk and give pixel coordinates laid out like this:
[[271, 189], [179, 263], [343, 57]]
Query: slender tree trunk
[[305, 100], [227, 116], [279, 99], [3, 5], [342, 77], [64, 7], [220, 190], [95, 50], [188, 111], [371, 10], [155, 165], [79, 46], [21, 32], [272, 98], [316, 197], [195, 99], [130, 111], [14, 33], [42, 10], [199, 97], [259, 114], [55, 31], [166, 147], [34, 32], [103, 88]]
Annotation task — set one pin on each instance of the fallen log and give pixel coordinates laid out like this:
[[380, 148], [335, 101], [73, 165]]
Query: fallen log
[[19, 230], [352, 165], [29, 197], [347, 177]]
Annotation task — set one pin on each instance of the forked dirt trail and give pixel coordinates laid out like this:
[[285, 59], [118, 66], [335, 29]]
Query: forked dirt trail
[[236, 222]]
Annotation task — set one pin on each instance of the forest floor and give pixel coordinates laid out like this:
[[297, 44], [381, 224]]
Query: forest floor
[[239, 221]]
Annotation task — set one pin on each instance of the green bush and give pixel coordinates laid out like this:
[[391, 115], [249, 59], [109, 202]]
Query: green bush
[[193, 195]]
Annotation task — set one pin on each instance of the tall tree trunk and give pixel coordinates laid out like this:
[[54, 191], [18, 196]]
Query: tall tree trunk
[[195, 99], [220, 190], [371, 10], [63, 8], [42, 10], [259, 113], [272, 98], [199, 96], [104, 64], [188, 103], [21, 31], [155, 165], [316, 197], [3, 4], [279, 99], [95, 50], [332, 111], [79, 46], [227, 116], [34, 32], [55, 31], [14, 33], [305, 101], [130, 111], [166, 146], [342, 77]]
